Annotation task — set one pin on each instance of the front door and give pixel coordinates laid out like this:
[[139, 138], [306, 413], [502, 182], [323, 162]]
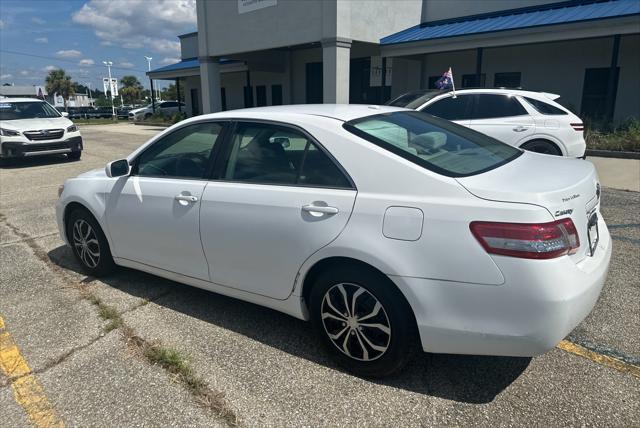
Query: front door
[[279, 199], [153, 214]]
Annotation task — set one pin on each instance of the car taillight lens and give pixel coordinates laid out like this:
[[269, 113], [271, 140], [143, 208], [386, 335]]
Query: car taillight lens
[[577, 126], [526, 240]]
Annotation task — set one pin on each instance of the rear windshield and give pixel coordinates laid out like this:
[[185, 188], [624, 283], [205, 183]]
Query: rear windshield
[[413, 100], [26, 110], [433, 143]]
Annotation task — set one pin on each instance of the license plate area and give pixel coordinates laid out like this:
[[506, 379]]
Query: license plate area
[[593, 233]]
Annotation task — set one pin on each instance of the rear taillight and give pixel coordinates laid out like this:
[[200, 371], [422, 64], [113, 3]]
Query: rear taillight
[[525, 240], [577, 126]]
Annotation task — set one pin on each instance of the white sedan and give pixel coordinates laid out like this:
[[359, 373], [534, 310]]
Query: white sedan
[[383, 226]]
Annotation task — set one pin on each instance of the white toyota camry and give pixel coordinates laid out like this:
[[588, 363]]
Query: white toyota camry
[[385, 227]]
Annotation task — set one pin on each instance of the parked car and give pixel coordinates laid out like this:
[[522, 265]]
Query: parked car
[[80, 112], [381, 225], [167, 108], [100, 113], [32, 127], [123, 113], [526, 119]]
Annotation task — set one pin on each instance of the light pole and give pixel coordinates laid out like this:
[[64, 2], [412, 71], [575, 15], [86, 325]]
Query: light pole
[[153, 102], [113, 109], [90, 97]]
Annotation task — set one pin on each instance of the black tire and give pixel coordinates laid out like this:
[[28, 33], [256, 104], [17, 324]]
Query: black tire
[[83, 246], [395, 311], [542, 146], [75, 155], [147, 115]]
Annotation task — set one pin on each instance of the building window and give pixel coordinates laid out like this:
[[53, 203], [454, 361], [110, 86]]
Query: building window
[[223, 96], [261, 95], [594, 92], [248, 96], [314, 82], [507, 80], [276, 95], [469, 81]]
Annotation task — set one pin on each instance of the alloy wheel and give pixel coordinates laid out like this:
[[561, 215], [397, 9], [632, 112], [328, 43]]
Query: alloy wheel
[[356, 322], [85, 243]]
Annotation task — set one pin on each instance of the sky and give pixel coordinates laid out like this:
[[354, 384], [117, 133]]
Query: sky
[[78, 35]]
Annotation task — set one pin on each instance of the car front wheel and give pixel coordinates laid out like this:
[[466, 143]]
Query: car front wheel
[[363, 320], [89, 244]]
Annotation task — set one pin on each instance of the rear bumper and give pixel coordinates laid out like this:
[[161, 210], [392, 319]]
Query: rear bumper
[[540, 303], [19, 149]]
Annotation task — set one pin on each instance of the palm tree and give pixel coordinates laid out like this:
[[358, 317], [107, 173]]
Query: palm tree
[[58, 81], [132, 89]]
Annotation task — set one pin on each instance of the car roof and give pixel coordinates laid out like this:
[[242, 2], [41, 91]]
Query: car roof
[[342, 112], [19, 100], [521, 92]]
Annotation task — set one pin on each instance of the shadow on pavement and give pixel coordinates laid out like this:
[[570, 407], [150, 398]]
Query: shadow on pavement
[[30, 162], [462, 378]]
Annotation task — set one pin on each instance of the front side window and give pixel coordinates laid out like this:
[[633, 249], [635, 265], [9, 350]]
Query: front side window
[[184, 153], [26, 110], [451, 108], [273, 154], [489, 106], [433, 143]]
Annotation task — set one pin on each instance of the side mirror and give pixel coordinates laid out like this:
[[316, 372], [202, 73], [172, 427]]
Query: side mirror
[[64, 114], [117, 168]]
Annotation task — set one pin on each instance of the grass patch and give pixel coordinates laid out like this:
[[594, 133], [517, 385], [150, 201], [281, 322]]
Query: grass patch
[[96, 121], [107, 313], [174, 362], [625, 137]]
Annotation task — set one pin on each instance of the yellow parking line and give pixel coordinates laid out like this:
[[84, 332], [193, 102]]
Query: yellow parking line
[[605, 360], [27, 391]]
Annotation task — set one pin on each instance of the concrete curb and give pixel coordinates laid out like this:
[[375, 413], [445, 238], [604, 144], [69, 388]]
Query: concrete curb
[[613, 154]]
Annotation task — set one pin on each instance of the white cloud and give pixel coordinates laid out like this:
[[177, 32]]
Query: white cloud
[[50, 67], [37, 20], [167, 61], [87, 62], [71, 53], [41, 40], [134, 24], [126, 64], [2, 24], [6, 76], [24, 72]]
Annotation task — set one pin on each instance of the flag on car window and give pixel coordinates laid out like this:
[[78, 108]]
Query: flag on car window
[[446, 81]]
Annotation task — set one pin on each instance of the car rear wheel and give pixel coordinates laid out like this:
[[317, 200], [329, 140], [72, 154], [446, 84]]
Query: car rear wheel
[[542, 146], [89, 244], [363, 321]]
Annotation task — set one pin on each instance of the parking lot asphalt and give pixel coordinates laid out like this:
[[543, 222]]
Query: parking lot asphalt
[[259, 367]]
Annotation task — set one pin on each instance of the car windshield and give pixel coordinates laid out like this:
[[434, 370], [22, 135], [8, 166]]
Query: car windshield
[[26, 110], [433, 143], [413, 100]]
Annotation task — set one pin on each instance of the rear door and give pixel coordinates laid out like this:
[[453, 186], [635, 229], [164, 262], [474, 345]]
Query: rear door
[[502, 117], [456, 109], [277, 198]]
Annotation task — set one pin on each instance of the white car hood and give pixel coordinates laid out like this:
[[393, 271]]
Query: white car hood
[[37, 124]]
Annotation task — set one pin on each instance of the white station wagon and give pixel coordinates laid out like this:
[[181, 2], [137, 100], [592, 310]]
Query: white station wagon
[[385, 227]]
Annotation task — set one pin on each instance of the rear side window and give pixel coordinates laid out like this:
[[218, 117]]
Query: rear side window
[[450, 108], [545, 108], [490, 106], [271, 154], [433, 143]]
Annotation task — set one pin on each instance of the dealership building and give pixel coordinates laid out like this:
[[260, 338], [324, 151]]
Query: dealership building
[[268, 52]]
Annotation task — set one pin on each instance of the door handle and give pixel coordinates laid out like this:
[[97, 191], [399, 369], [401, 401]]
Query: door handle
[[320, 209], [520, 128], [186, 198]]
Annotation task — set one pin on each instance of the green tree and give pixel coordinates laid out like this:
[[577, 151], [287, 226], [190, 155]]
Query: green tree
[[58, 81], [170, 93], [132, 89]]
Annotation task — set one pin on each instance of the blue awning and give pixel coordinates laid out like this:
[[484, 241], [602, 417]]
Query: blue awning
[[182, 65], [537, 16]]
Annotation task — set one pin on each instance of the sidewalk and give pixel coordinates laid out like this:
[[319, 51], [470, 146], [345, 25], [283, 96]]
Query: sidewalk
[[621, 174]]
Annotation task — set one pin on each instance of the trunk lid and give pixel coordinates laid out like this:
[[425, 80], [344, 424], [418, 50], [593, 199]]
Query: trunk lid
[[565, 187]]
